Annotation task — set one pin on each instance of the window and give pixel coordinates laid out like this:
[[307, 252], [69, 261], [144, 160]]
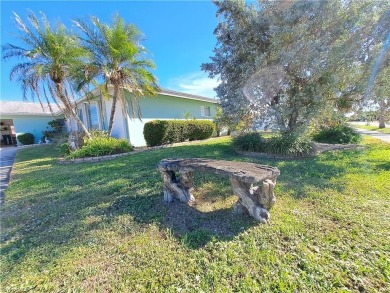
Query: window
[[81, 117], [205, 111], [93, 116]]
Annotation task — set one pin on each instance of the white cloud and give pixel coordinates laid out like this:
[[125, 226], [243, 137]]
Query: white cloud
[[196, 83]]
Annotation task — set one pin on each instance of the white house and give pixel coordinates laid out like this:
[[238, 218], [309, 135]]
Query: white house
[[167, 104]]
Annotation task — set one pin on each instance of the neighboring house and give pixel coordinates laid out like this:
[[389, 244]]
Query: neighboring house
[[22, 117], [167, 104]]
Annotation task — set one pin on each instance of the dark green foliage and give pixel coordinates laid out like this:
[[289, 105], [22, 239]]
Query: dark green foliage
[[57, 133], [159, 132], [198, 130], [26, 138], [65, 149], [340, 133], [286, 144], [98, 133], [101, 146], [57, 124], [154, 132], [249, 142], [289, 144]]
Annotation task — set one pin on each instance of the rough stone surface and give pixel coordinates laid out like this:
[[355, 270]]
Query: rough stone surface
[[252, 183]]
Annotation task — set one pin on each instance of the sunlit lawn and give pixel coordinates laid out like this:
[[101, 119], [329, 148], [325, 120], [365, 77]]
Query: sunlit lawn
[[104, 227], [372, 127]]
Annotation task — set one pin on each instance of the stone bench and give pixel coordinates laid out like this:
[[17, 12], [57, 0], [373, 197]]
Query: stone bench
[[252, 183]]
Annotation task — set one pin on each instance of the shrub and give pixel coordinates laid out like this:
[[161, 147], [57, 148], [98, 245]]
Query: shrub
[[249, 142], [57, 133], [159, 132], [26, 138], [289, 144], [199, 130], [340, 133], [98, 133], [65, 149], [285, 144], [154, 132], [101, 146]]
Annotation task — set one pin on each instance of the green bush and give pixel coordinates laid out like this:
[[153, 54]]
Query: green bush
[[101, 146], [285, 144], [56, 133], [154, 132], [159, 132], [289, 145], [249, 142], [98, 133], [199, 130], [340, 133], [65, 149], [26, 138]]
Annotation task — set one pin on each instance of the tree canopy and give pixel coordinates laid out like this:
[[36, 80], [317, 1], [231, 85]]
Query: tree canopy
[[48, 57], [118, 59], [288, 62], [57, 62]]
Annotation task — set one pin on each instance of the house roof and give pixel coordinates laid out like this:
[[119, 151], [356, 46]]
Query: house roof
[[165, 92], [24, 108], [187, 96]]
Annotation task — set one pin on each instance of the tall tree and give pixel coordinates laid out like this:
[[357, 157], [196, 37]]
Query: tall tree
[[119, 60], [287, 61], [379, 85], [48, 57]]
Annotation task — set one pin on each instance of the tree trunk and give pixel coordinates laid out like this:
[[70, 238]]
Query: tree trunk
[[113, 108], [69, 109], [382, 113], [81, 124], [292, 122]]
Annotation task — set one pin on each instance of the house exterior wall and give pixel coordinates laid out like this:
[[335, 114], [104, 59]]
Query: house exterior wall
[[165, 107], [161, 107], [30, 124], [118, 127]]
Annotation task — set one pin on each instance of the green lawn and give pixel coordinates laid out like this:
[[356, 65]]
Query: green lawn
[[372, 127], [103, 226]]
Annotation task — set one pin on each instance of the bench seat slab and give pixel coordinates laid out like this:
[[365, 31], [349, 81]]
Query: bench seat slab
[[253, 184]]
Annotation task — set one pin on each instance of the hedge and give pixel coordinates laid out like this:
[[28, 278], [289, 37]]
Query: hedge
[[341, 133], [159, 132], [26, 138]]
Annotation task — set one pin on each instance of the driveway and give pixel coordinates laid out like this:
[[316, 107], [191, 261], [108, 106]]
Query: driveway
[[7, 156]]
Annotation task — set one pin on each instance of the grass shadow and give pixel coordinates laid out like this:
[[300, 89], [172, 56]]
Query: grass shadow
[[209, 218], [132, 186]]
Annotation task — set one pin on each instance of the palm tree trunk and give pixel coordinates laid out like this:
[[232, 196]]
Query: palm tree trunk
[[81, 124], [113, 108], [70, 110]]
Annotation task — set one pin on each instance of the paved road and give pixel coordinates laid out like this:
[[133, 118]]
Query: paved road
[[382, 136], [7, 156]]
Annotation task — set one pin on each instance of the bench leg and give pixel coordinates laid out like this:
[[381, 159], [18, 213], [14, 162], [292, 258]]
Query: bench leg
[[254, 199], [179, 188]]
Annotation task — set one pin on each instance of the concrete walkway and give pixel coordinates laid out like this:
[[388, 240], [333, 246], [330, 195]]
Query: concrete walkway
[[382, 136], [7, 156]]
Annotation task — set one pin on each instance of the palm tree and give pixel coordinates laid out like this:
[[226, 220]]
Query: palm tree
[[49, 55], [118, 59]]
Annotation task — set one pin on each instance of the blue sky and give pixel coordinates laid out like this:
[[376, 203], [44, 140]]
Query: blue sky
[[178, 33]]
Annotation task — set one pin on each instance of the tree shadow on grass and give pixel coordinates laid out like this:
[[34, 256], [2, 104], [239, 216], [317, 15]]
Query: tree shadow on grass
[[385, 166], [132, 186], [194, 224], [298, 177]]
